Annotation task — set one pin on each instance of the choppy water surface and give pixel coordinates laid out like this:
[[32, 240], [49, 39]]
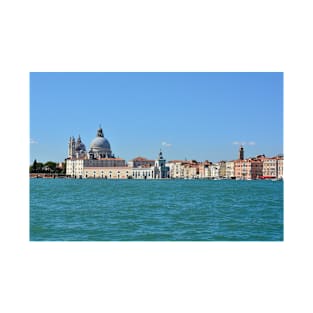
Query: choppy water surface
[[158, 210]]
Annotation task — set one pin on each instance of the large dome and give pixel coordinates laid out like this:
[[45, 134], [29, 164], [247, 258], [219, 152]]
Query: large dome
[[100, 146]]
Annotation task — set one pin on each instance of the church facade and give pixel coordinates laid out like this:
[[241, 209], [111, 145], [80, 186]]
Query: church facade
[[100, 162]]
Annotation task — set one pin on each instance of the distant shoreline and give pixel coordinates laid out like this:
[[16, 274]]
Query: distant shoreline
[[58, 176]]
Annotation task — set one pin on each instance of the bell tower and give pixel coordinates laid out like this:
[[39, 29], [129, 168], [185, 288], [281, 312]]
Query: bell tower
[[160, 162], [161, 170], [241, 153], [71, 147]]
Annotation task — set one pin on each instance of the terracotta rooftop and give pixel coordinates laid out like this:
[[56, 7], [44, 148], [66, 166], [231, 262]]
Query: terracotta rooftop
[[139, 159], [145, 166]]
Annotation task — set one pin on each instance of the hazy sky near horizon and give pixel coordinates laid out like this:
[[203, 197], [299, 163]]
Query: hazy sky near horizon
[[201, 116]]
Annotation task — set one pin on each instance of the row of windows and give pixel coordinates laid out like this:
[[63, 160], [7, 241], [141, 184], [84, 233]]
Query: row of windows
[[105, 176], [138, 174]]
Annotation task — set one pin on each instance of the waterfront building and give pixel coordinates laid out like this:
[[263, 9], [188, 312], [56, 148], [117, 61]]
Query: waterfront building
[[179, 169], [204, 170], [176, 168], [190, 170], [74, 167], [280, 167], [256, 168], [230, 170], [240, 169], [120, 172], [81, 167], [270, 167], [140, 162], [273, 167], [251, 168], [171, 168], [143, 172], [215, 168], [144, 169], [222, 169]]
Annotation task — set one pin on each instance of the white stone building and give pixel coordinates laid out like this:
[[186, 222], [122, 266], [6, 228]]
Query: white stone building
[[215, 169], [157, 171], [176, 169], [183, 169], [230, 170]]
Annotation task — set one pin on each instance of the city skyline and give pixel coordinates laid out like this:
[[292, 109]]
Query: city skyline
[[201, 116]]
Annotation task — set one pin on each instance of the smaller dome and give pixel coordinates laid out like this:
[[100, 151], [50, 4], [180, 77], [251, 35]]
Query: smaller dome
[[80, 147]]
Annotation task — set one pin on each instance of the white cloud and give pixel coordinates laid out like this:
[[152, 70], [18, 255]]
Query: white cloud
[[250, 143], [33, 141], [166, 144], [239, 143]]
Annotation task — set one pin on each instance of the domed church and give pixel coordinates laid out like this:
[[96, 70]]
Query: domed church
[[99, 162], [100, 147]]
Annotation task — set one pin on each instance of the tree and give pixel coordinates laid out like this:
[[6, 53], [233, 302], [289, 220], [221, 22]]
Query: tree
[[51, 165], [63, 168], [35, 165], [39, 167]]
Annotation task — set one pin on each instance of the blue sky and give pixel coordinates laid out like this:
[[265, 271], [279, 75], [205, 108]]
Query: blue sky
[[202, 116]]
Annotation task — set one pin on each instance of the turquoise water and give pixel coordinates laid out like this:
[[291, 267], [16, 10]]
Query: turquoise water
[[156, 210]]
